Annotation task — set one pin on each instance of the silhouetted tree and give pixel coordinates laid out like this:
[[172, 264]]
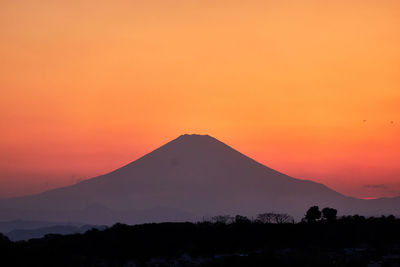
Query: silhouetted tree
[[391, 218], [329, 214], [283, 218], [3, 239], [4, 242], [278, 218], [239, 219], [224, 219], [313, 214], [265, 217], [358, 218]]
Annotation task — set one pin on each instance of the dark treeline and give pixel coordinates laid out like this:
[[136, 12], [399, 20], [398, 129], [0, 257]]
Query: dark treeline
[[320, 239]]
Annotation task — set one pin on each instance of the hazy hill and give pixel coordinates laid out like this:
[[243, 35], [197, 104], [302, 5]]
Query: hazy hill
[[7, 226], [187, 178], [26, 234]]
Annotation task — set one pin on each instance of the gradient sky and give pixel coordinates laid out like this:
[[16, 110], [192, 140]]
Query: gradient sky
[[309, 88]]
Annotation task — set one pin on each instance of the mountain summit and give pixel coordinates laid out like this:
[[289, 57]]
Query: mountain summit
[[188, 178]]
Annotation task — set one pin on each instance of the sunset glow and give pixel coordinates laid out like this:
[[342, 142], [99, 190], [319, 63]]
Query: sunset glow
[[309, 88]]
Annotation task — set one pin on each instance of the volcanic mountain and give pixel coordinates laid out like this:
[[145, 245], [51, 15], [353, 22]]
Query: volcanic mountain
[[186, 179]]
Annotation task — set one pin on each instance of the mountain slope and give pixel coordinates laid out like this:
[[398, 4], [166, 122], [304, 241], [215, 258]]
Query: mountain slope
[[189, 177]]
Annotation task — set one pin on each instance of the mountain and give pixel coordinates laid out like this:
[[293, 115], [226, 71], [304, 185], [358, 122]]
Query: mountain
[[188, 178]]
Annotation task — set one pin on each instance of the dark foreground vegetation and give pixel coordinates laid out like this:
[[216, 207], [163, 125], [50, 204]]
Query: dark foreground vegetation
[[224, 241]]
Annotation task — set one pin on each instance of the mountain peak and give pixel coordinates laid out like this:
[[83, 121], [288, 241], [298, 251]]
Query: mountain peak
[[199, 141], [195, 136]]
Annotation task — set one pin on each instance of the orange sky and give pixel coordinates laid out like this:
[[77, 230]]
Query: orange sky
[[88, 87]]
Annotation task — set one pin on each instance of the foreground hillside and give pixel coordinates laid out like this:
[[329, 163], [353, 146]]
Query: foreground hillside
[[349, 241]]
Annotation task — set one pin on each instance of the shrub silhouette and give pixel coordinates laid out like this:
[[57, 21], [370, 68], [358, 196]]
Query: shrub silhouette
[[239, 219], [271, 217], [329, 214], [313, 214], [222, 219]]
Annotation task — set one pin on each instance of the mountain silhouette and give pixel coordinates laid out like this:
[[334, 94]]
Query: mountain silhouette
[[186, 179]]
